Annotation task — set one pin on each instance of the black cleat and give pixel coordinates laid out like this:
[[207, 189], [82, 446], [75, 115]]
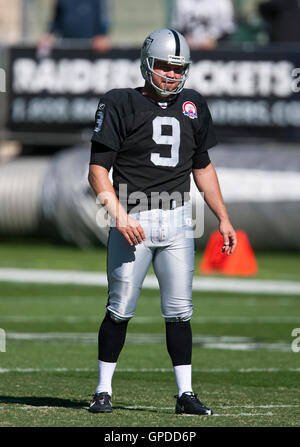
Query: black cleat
[[189, 404], [101, 403]]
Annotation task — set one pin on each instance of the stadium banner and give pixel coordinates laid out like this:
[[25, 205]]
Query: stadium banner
[[252, 92]]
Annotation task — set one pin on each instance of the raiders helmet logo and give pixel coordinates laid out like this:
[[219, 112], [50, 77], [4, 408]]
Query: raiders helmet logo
[[147, 44]]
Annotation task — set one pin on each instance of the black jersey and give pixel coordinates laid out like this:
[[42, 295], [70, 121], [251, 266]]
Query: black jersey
[[156, 143]]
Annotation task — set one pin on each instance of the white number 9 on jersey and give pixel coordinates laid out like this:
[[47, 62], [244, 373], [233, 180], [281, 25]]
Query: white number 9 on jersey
[[172, 140]]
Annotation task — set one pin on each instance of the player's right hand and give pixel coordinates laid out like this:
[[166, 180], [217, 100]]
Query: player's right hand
[[131, 230]]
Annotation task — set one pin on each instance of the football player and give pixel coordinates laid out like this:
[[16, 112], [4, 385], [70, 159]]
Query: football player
[[154, 137]]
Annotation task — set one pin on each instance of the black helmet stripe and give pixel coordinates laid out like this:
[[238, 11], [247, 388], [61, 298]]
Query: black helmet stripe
[[177, 42]]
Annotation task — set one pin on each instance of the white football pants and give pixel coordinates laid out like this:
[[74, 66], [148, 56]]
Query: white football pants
[[169, 245]]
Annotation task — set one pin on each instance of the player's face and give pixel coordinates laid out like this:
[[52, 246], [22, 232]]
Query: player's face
[[174, 72]]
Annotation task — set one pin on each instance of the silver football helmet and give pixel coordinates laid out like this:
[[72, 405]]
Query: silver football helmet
[[165, 45]]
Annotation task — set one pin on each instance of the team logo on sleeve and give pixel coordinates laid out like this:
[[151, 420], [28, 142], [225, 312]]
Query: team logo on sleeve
[[99, 117], [189, 109]]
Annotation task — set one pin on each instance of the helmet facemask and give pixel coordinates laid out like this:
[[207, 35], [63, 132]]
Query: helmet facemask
[[174, 60]]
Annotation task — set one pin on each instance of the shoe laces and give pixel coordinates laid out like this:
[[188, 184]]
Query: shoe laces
[[193, 396], [100, 396]]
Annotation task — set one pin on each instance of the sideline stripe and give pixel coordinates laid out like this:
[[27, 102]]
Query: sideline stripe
[[199, 284]]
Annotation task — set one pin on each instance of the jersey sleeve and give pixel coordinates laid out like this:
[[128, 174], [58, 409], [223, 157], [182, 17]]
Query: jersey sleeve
[[109, 127], [201, 160], [206, 136], [102, 155]]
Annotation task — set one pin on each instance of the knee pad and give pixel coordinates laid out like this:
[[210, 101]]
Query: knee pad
[[116, 318], [179, 318]]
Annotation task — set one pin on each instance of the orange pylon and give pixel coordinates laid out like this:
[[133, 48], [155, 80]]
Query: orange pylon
[[241, 262]]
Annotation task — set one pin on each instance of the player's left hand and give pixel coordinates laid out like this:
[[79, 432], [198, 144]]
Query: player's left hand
[[229, 237]]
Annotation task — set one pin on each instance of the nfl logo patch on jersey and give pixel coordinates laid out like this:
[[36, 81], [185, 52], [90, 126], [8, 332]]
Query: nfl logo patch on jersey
[[189, 109]]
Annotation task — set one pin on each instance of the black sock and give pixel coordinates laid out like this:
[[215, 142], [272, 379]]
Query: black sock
[[179, 342], [111, 339]]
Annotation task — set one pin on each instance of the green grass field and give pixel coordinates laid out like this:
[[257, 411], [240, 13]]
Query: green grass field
[[243, 365]]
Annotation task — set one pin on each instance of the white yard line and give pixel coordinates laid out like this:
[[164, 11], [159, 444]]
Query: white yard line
[[199, 284], [205, 341], [150, 370], [44, 407], [144, 407], [258, 406], [143, 320], [241, 414]]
